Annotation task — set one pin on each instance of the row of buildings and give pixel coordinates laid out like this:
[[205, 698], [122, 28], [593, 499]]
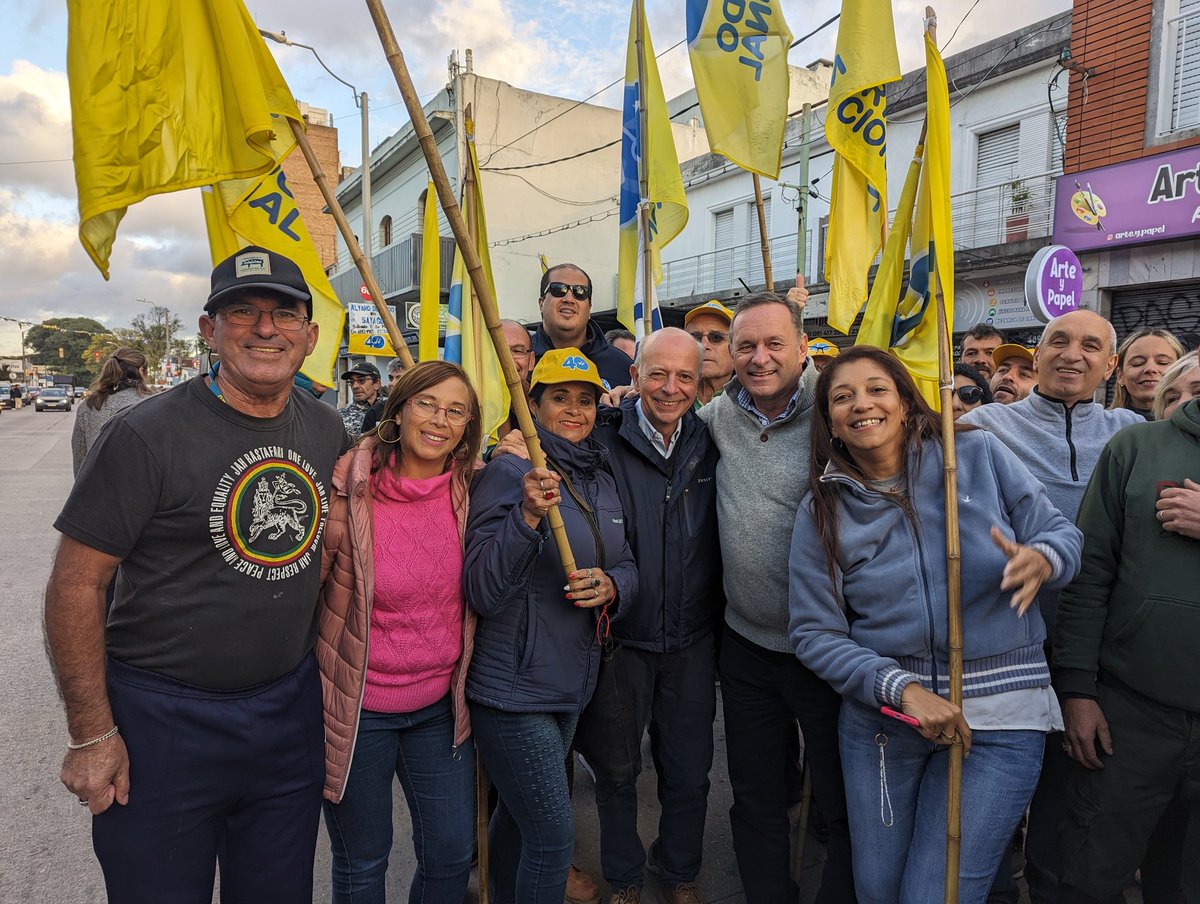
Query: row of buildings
[[1082, 129]]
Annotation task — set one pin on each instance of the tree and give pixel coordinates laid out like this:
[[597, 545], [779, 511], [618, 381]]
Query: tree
[[156, 332], [59, 345], [5, 372]]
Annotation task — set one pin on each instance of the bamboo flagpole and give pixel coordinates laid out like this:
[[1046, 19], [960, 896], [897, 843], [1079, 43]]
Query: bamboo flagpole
[[458, 226], [643, 173], [953, 565], [364, 267], [762, 234]]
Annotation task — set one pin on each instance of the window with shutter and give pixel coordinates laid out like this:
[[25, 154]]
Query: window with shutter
[[723, 246], [1184, 39], [998, 156]]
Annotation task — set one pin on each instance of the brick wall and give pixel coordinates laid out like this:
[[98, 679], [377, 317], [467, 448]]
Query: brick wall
[[324, 140], [1106, 113]]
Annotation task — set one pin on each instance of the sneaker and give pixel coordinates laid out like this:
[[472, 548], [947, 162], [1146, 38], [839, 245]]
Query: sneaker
[[630, 895], [684, 893], [582, 888]]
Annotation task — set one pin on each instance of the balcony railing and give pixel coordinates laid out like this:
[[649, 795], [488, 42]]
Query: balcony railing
[[982, 217], [398, 270]]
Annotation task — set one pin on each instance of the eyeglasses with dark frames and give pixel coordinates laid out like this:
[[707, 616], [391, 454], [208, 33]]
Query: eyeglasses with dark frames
[[287, 319], [560, 289], [716, 337]]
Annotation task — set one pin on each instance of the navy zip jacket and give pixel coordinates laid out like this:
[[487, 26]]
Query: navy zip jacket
[[535, 651], [671, 524], [612, 363]]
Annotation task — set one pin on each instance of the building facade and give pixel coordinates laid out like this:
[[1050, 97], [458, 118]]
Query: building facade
[[324, 140], [1129, 201]]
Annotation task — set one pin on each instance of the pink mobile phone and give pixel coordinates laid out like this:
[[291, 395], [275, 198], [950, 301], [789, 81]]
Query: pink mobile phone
[[900, 717]]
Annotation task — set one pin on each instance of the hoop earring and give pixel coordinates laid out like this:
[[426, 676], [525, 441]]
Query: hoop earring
[[384, 439]]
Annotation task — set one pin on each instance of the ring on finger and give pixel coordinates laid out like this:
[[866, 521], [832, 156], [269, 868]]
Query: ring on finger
[[595, 582], [595, 593]]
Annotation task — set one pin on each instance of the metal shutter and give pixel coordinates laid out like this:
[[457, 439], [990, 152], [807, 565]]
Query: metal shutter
[[723, 245], [999, 154]]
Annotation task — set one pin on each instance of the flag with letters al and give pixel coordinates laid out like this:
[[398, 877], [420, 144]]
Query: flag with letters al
[[164, 97], [263, 212], [466, 342], [856, 127], [903, 318], [655, 151], [739, 63]]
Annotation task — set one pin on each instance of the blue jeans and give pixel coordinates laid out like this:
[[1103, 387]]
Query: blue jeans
[[532, 833], [896, 795], [439, 785]]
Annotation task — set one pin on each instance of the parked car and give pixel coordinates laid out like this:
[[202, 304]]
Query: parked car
[[5, 395], [54, 398]]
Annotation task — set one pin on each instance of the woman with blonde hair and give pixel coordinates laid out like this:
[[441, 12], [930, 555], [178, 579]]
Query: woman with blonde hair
[[1179, 384], [121, 385], [396, 638], [1142, 359]]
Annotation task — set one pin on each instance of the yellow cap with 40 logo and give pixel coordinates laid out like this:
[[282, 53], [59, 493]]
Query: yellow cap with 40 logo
[[565, 365]]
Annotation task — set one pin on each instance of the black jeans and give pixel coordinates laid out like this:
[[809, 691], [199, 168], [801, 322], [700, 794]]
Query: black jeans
[[1112, 812], [762, 692], [675, 690]]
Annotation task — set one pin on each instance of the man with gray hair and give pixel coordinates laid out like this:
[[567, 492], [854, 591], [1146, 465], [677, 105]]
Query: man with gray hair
[[1059, 431]]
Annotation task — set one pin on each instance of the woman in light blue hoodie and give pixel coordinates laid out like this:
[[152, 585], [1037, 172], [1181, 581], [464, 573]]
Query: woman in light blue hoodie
[[869, 615]]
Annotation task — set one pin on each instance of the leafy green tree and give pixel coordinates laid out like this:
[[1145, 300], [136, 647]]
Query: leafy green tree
[[59, 346]]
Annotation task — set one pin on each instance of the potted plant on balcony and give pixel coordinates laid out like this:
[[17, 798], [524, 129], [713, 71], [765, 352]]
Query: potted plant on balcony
[[1016, 223]]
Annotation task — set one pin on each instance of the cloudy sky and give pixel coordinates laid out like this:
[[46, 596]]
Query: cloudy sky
[[570, 48]]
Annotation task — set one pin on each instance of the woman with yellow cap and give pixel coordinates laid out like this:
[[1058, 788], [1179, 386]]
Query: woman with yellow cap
[[541, 632]]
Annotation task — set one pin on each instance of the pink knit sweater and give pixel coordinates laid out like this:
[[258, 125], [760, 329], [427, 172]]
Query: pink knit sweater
[[417, 610]]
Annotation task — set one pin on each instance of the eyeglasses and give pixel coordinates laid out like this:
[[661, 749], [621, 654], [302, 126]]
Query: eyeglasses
[[715, 337], [359, 380], [970, 395], [426, 408], [520, 351], [248, 315], [560, 289]]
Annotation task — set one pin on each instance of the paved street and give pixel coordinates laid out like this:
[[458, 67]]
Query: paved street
[[46, 853], [45, 856]]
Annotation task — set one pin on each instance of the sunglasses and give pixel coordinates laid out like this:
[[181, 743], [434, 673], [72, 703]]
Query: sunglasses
[[560, 289], [970, 395], [715, 337]]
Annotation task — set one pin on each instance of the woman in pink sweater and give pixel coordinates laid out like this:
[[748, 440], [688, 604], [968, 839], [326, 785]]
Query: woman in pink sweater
[[396, 639]]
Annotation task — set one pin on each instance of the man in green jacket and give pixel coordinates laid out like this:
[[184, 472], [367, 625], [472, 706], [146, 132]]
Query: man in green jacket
[[1125, 652]]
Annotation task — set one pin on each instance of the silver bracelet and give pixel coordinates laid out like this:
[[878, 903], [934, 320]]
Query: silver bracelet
[[111, 733]]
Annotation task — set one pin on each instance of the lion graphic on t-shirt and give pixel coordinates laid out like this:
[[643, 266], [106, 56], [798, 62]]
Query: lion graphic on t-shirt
[[273, 509]]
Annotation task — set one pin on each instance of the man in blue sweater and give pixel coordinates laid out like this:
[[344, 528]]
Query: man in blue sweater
[[1058, 430]]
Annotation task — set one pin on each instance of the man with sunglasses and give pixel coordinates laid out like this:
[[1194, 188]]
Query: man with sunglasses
[[365, 385], [194, 704], [565, 300]]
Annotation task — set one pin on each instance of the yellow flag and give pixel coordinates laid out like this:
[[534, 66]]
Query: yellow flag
[[431, 280], [166, 96], [856, 127], [262, 212], [655, 152], [467, 342], [903, 318], [739, 53]]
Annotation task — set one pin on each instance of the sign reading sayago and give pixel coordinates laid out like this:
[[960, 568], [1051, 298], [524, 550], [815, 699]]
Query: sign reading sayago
[[1053, 283], [1152, 199], [368, 335]]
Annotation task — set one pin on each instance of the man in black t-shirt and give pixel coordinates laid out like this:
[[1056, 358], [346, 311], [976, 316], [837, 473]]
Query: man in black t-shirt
[[196, 705]]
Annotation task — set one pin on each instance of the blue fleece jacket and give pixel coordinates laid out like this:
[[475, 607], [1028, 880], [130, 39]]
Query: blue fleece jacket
[[885, 624]]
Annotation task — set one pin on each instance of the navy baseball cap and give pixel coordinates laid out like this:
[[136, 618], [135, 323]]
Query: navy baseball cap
[[256, 268]]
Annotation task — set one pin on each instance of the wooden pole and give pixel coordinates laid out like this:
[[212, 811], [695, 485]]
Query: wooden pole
[[482, 784], [483, 292], [762, 234], [953, 564], [364, 267], [643, 176], [471, 300]]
